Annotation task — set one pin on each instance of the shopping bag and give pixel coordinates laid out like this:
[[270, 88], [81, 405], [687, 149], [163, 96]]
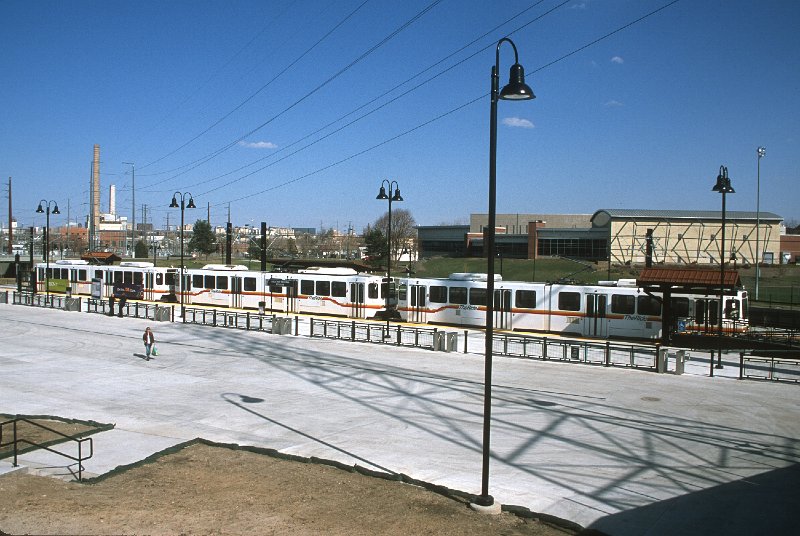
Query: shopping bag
[[155, 350]]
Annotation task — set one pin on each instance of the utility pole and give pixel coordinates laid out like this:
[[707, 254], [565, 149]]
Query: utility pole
[[133, 206]]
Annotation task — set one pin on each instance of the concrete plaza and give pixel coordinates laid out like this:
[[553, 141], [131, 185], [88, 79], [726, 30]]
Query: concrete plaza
[[624, 451]]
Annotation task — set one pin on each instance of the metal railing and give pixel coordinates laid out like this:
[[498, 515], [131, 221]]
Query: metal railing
[[576, 351], [239, 320], [395, 334], [134, 310], [16, 440], [53, 301], [770, 367]]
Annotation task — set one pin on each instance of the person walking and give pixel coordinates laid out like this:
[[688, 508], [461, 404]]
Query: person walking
[[149, 341]]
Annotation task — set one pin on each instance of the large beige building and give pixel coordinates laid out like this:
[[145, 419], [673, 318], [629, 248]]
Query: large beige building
[[690, 237], [679, 236]]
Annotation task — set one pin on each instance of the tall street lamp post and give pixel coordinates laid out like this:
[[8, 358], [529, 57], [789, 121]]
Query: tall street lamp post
[[393, 195], [516, 89], [183, 206], [724, 187], [760, 152], [46, 243]]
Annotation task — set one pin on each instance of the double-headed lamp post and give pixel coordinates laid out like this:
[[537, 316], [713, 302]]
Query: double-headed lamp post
[[393, 195], [516, 89], [46, 243], [723, 186], [183, 206], [760, 152]]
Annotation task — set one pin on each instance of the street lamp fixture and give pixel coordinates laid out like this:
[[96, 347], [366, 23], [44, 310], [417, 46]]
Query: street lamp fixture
[[516, 89], [760, 152], [46, 243], [723, 186], [393, 195], [183, 206]]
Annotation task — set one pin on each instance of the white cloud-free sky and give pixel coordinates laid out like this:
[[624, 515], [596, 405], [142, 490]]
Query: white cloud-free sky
[[294, 112]]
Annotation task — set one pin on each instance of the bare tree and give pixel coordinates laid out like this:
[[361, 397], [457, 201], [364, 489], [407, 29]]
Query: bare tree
[[403, 230]]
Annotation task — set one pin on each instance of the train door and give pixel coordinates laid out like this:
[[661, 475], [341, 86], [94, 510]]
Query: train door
[[502, 309], [149, 283], [185, 288], [595, 324], [357, 305], [291, 296], [417, 303], [236, 292], [706, 315]]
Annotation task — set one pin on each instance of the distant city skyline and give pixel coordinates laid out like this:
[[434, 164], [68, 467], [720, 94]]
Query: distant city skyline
[[294, 113]]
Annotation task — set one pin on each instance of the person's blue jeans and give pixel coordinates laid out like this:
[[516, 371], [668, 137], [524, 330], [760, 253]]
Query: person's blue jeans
[[147, 348]]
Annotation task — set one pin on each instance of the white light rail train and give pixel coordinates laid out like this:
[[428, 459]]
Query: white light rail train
[[608, 309]]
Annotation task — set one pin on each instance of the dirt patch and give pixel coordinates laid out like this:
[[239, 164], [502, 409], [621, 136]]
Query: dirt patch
[[204, 489], [48, 432]]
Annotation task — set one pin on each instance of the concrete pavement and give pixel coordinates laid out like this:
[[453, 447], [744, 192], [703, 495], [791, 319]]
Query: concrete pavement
[[627, 452]]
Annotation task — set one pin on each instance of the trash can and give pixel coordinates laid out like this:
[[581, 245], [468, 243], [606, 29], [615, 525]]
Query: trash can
[[680, 361], [439, 341], [162, 314], [72, 304], [661, 360], [452, 342], [261, 307]]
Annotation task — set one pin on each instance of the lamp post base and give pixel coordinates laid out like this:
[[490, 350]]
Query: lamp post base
[[485, 504]]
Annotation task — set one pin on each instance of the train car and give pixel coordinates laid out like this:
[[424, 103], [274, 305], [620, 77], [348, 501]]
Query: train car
[[326, 291], [142, 279], [610, 309]]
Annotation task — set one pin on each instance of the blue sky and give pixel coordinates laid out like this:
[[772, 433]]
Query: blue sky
[[295, 111]]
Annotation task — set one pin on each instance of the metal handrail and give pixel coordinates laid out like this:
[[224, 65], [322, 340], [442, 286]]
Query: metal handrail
[[16, 441]]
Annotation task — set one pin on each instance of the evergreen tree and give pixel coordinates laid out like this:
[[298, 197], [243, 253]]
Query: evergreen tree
[[376, 245], [203, 239], [141, 250]]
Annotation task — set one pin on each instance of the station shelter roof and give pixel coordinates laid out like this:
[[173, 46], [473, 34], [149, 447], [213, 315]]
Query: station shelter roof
[[688, 278]]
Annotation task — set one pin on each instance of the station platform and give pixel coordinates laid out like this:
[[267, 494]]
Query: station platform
[[626, 452]]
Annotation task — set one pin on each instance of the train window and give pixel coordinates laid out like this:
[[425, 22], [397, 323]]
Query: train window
[[159, 279], [438, 294], [732, 309], [82, 275], [222, 282], [323, 288], [526, 299], [197, 281], [623, 304], [209, 281], [98, 274], [403, 292], [569, 301], [307, 287], [339, 289], [117, 277], [477, 296], [372, 291], [648, 306], [169, 278], [128, 277], [138, 277], [458, 295], [680, 306], [249, 284]]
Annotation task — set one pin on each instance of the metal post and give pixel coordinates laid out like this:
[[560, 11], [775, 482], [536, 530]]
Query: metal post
[[760, 152]]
